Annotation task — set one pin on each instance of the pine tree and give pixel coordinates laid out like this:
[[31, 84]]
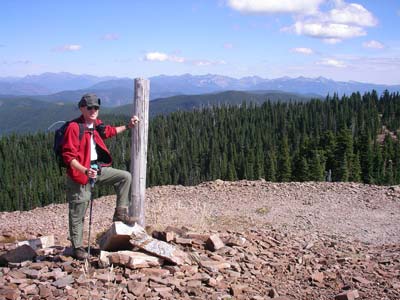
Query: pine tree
[[378, 165], [284, 169], [270, 166], [343, 155], [366, 159], [355, 171], [316, 169]]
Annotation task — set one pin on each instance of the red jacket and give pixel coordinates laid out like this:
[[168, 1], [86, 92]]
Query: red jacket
[[80, 149]]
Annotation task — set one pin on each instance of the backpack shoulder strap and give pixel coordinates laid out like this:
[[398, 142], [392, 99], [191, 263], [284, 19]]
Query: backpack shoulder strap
[[81, 128]]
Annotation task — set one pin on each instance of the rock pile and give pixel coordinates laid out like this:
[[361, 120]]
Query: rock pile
[[260, 263]]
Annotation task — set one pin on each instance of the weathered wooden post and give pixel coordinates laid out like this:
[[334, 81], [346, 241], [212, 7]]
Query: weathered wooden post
[[139, 149]]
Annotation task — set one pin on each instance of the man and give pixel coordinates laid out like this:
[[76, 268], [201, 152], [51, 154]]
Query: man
[[88, 158]]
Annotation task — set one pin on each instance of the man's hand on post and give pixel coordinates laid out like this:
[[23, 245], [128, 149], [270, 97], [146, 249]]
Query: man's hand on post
[[133, 121]]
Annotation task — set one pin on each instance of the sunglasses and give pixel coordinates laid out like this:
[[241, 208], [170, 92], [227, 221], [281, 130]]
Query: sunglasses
[[92, 107]]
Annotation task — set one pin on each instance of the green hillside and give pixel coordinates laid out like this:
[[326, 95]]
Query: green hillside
[[23, 115]]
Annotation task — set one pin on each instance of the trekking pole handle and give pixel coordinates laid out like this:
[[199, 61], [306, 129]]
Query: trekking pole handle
[[92, 181]]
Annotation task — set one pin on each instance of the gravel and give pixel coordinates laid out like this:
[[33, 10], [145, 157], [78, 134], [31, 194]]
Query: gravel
[[349, 211]]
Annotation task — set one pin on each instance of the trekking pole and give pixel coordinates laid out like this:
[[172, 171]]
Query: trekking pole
[[92, 182]]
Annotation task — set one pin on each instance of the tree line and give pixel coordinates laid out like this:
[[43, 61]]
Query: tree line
[[348, 138]]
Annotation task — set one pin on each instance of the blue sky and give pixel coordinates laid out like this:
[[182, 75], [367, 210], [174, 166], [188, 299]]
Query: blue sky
[[342, 40]]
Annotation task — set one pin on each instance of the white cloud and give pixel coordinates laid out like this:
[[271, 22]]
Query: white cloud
[[332, 23], [162, 57], [343, 21], [275, 6], [301, 50], [110, 37], [67, 48], [331, 32], [158, 56], [351, 13], [373, 45], [332, 63]]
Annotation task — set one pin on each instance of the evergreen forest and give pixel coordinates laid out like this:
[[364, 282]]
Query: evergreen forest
[[349, 138]]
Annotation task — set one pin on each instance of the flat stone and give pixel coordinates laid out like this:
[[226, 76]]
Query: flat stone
[[155, 272], [63, 282], [17, 274], [18, 255], [9, 293], [134, 259], [18, 280], [137, 288], [214, 243], [104, 261], [34, 274], [166, 236], [193, 283], [117, 237], [236, 241], [183, 241], [30, 290], [347, 295], [162, 289], [178, 231], [83, 292], [237, 289], [105, 277], [318, 277], [361, 280], [40, 266], [39, 243], [198, 236], [140, 239], [44, 291], [214, 266]]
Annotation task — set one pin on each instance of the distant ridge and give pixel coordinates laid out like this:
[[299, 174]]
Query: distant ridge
[[26, 114], [115, 91], [190, 102]]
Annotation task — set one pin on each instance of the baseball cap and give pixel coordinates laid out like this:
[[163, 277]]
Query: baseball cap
[[89, 100]]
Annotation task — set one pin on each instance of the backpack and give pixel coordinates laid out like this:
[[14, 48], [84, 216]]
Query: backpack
[[59, 141]]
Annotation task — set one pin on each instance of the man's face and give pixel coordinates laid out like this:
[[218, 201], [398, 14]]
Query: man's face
[[90, 113]]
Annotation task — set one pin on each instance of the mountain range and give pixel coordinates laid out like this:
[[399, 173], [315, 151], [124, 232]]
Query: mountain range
[[114, 91]]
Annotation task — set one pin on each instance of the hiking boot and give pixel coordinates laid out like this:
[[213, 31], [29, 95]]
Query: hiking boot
[[80, 254], [121, 214]]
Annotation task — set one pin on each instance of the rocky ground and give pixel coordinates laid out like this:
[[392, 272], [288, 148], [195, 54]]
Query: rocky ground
[[282, 241]]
